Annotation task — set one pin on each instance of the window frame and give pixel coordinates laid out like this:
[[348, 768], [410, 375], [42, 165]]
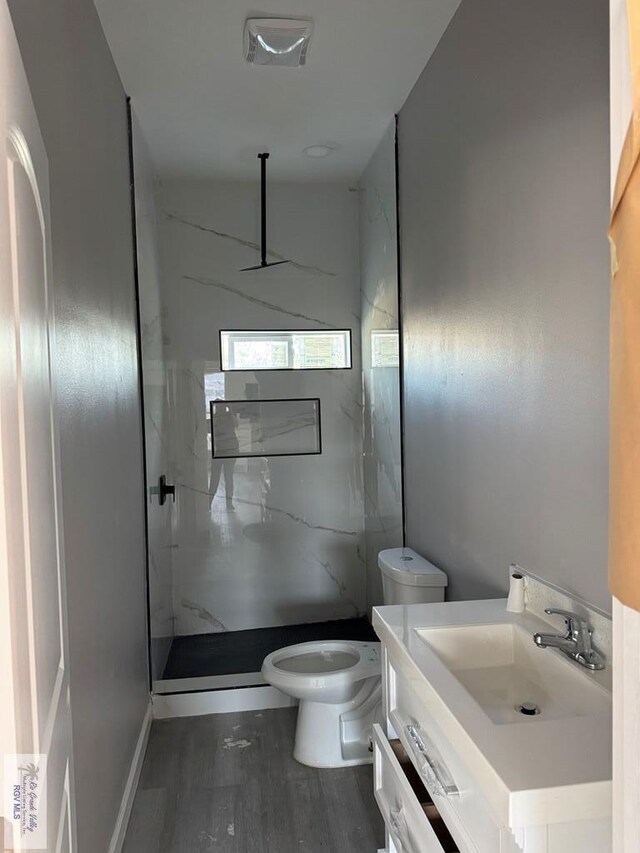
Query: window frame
[[267, 332]]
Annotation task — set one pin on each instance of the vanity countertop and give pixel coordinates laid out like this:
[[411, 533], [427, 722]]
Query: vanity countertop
[[538, 771]]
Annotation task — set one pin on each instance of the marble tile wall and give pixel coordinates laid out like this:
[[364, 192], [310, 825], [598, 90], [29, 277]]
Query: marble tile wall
[[382, 468], [274, 540], [156, 411]]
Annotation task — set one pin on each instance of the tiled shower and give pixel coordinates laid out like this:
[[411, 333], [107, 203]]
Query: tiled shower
[[267, 548]]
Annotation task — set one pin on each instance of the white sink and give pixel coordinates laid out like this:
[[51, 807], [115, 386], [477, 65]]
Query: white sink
[[502, 669]]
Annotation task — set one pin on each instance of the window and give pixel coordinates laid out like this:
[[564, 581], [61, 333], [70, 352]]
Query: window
[[286, 350], [385, 348]]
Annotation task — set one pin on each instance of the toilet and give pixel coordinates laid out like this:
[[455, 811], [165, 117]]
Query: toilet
[[338, 682]]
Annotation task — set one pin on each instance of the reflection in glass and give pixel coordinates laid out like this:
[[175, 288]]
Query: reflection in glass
[[214, 389], [265, 427], [382, 446], [385, 348], [226, 424], [217, 467]]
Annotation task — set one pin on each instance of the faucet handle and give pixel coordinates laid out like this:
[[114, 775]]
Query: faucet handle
[[579, 636], [574, 622]]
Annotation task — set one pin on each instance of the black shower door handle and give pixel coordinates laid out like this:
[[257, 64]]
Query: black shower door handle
[[164, 490]]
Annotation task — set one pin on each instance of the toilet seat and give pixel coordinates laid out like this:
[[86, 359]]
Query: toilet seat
[[318, 662], [327, 665], [325, 668]]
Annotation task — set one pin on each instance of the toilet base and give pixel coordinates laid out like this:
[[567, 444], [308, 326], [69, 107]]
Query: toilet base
[[338, 735]]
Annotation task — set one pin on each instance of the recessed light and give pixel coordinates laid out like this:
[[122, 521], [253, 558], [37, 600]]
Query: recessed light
[[318, 150]]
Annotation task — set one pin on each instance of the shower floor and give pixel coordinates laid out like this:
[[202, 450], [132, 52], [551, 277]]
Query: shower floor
[[231, 652]]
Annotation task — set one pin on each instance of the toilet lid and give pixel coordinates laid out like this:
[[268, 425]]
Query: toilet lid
[[326, 661], [405, 566]]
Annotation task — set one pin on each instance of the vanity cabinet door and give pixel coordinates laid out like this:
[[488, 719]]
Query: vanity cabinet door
[[412, 820]]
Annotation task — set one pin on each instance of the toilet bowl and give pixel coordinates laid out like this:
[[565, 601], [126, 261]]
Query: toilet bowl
[[339, 687], [339, 682]]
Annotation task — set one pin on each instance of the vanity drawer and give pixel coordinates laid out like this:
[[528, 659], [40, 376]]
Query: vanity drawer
[[412, 819], [444, 773]]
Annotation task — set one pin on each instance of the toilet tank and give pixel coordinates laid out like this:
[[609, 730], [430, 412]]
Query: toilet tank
[[407, 578]]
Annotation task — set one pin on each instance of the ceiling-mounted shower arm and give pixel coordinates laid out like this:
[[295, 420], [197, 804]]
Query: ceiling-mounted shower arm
[[263, 157]]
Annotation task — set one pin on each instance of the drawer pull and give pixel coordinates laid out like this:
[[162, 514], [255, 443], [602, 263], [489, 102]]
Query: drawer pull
[[434, 774], [400, 829]]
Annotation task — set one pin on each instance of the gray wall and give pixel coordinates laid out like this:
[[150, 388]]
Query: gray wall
[[504, 206], [81, 107]]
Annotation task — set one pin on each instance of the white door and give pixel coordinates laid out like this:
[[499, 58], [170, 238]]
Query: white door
[[35, 719]]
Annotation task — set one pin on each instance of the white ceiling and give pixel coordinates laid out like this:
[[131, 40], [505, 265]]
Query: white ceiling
[[204, 111]]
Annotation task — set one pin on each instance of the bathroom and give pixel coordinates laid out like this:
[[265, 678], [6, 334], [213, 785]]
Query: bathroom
[[357, 394]]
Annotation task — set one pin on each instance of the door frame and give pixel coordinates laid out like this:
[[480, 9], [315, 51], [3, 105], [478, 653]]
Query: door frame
[[626, 622]]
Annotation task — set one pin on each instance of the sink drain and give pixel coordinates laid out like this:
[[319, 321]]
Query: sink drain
[[529, 709]]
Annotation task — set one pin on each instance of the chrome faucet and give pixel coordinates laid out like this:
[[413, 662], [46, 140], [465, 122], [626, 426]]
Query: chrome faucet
[[576, 643]]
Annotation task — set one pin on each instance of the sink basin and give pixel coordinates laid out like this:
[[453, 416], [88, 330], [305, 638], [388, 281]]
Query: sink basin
[[511, 679]]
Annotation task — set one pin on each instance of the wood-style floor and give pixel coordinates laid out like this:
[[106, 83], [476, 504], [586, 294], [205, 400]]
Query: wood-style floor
[[228, 783]]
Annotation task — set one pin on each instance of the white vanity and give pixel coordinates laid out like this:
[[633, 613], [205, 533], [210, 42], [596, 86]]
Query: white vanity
[[492, 745]]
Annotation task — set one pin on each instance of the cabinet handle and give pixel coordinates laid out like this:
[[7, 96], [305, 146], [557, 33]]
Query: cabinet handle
[[435, 775], [400, 829]]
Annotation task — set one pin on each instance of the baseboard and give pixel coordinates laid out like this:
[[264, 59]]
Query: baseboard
[[117, 839], [219, 702]]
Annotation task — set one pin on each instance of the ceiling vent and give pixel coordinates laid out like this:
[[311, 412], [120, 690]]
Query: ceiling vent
[[277, 41]]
